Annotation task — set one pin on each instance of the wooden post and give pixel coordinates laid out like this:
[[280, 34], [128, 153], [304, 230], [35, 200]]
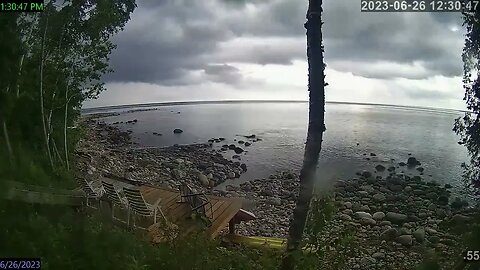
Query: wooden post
[[231, 227]]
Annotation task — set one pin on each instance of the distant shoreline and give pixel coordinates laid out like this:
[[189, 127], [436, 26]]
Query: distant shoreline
[[181, 103]]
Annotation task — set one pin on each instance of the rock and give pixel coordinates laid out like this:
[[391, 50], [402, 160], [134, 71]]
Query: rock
[[238, 150], [405, 240], [373, 155], [178, 174], [434, 239], [412, 161], [407, 189], [231, 175], [402, 164], [367, 221], [395, 188], [274, 201], [391, 169], [458, 204], [420, 169], [396, 218], [232, 146], [243, 166], [430, 230], [363, 193], [378, 255], [379, 197], [378, 215], [348, 205], [380, 168], [440, 213], [364, 208], [458, 218], [345, 217], [241, 142], [443, 200], [248, 144], [417, 178], [251, 136], [385, 223], [448, 186], [389, 234], [361, 214], [404, 231], [177, 131], [419, 234], [366, 174], [203, 180]]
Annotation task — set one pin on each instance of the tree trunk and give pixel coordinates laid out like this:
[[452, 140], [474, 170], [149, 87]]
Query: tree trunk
[[7, 142], [316, 127], [65, 141], [42, 110]]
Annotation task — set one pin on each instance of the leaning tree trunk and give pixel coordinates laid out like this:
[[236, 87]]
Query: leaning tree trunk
[[316, 127]]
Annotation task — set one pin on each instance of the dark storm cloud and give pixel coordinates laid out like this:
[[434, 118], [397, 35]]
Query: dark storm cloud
[[223, 73], [168, 40]]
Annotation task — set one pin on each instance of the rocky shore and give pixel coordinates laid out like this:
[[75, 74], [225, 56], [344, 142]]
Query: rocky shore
[[397, 219], [106, 149]]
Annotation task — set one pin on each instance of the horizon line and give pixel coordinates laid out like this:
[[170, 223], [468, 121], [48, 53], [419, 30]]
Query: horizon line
[[209, 102]]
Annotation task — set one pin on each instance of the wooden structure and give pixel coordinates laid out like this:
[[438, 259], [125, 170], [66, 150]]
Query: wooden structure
[[17, 191], [222, 210]]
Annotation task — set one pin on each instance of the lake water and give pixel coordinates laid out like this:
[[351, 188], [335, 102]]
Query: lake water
[[389, 132]]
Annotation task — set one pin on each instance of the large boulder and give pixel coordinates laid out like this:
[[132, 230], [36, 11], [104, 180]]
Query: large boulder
[[412, 161], [238, 150], [389, 234], [379, 216], [406, 240], [419, 234], [366, 174], [177, 131], [368, 221], [203, 180], [396, 218], [362, 214]]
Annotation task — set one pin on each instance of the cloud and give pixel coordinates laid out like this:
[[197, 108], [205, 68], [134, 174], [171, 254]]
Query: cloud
[[260, 44]]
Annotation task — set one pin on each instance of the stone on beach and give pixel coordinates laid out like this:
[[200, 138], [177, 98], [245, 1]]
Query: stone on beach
[[203, 180], [396, 218], [405, 240], [361, 214]]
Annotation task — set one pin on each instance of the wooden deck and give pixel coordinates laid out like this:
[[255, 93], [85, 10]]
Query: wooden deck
[[224, 209]]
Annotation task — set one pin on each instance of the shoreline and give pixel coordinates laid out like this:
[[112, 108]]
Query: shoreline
[[386, 230]]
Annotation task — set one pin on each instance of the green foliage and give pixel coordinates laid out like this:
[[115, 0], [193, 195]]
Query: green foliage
[[50, 63], [429, 265], [468, 126], [329, 252], [66, 239]]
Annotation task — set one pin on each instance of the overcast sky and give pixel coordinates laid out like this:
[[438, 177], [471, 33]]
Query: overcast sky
[[185, 50]]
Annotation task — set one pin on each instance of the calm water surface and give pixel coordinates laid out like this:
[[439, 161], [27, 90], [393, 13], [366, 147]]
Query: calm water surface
[[389, 132]]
